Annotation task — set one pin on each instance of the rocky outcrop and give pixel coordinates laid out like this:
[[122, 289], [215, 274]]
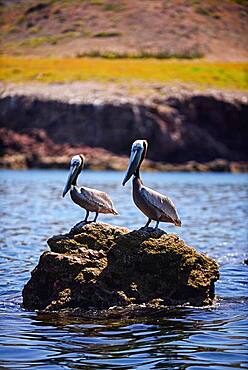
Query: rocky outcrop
[[98, 266], [36, 150]]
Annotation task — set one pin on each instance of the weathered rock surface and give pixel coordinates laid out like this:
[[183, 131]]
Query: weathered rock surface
[[98, 266]]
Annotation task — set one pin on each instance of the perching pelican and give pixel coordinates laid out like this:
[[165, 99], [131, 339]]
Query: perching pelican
[[154, 205], [90, 199]]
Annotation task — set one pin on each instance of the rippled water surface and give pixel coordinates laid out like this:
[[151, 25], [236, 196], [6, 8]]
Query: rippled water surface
[[213, 209]]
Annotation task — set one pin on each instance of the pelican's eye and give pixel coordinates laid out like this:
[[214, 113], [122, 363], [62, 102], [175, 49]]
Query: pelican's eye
[[137, 147], [75, 163]]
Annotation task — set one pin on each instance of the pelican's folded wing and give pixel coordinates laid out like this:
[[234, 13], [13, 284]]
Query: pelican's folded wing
[[100, 198], [161, 202]]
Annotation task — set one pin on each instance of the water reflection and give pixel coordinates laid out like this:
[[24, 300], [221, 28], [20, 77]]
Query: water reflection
[[213, 208], [181, 337]]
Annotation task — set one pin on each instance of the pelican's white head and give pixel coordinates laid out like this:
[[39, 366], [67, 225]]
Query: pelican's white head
[[77, 160], [76, 166], [138, 145], [138, 152]]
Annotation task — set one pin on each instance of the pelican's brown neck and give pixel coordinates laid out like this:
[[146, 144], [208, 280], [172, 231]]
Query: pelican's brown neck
[[137, 171], [137, 181]]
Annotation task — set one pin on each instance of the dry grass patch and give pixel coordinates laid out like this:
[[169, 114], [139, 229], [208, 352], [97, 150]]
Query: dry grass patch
[[203, 73]]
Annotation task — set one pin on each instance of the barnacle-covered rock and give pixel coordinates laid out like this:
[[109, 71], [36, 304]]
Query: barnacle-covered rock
[[98, 266]]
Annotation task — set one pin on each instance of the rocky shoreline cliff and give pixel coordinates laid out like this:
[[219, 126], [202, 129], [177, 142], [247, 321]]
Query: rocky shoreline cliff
[[42, 126]]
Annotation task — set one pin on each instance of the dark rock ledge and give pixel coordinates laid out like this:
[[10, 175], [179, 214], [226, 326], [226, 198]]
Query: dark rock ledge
[[99, 266]]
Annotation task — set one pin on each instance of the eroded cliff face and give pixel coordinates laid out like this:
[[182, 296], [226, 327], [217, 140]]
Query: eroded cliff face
[[98, 266], [200, 127]]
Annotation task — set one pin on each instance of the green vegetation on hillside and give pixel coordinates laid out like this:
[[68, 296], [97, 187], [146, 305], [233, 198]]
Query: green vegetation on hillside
[[199, 72], [112, 29]]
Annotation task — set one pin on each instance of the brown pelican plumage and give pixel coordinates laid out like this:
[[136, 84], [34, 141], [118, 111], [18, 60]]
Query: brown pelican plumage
[[91, 200], [154, 205]]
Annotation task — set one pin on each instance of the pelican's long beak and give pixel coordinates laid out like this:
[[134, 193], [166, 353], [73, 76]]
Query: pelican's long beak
[[134, 161], [71, 177]]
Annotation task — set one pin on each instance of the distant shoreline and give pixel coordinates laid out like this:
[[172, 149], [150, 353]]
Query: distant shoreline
[[21, 162], [43, 126]]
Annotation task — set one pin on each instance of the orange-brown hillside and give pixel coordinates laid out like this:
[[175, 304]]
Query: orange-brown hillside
[[181, 28]]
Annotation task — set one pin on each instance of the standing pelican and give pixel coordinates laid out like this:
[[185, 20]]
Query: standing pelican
[[90, 199], [154, 205]]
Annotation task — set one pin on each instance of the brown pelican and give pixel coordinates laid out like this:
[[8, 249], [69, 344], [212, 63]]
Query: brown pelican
[[90, 199], [154, 205]]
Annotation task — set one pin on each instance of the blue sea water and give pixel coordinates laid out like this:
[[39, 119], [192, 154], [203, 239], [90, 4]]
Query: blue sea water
[[214, 213]]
